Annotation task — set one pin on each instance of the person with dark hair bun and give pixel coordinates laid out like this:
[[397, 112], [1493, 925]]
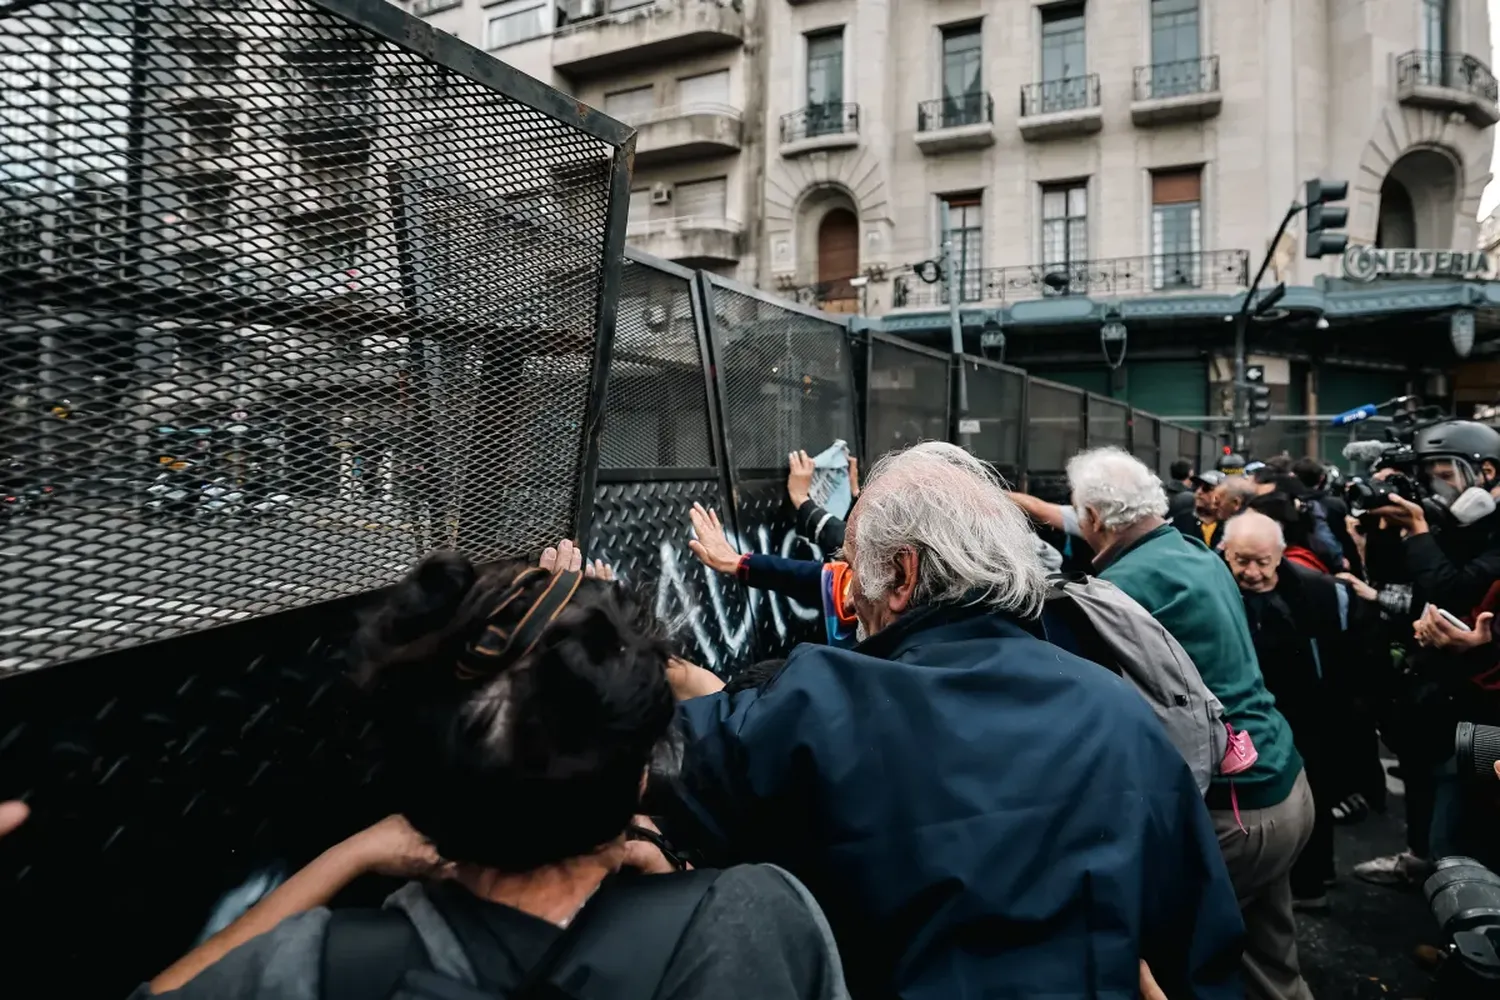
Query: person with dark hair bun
[[523, 707]]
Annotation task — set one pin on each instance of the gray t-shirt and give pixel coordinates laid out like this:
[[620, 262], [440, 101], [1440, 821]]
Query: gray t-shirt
[[758, 933]]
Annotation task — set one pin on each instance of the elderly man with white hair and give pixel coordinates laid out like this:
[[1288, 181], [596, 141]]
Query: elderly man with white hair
[[978, 812], [1263, 814], [1298, 618]]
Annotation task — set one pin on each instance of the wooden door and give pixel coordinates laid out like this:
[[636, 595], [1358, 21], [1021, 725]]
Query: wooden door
[[838, 260]]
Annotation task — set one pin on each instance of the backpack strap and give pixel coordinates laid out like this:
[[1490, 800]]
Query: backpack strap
[[367, 952], [623, 941]]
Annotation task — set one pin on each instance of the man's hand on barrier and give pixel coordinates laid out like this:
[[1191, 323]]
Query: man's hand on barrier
[[12, 815], [644, 856], [691, 681], [561, 558], [799, 480], [711, 546], [854, 477]]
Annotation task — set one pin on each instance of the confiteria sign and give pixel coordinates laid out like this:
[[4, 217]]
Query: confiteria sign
[[1370, 263]]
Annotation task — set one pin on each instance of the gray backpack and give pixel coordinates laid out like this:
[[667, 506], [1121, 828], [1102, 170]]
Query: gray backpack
[[1098, 621]]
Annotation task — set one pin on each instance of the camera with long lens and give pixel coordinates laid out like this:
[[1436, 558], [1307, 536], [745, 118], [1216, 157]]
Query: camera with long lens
[[1364, 495], [1464, 895]]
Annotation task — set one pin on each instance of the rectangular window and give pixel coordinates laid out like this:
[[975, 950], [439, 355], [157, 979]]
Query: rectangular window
[[515, 22], [963, 96], [1175, 67], [640, 207], [632, 104], [704, 90], [825, 83], [1064, 85], [1176, 229], [1065, 232], [966, 220], [707, 199], [1435, 27]]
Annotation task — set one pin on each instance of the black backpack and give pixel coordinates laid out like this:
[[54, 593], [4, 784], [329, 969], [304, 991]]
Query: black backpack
[[617, 948]]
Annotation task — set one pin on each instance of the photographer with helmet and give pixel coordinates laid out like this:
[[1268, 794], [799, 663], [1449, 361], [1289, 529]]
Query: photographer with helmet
[[1432, 541]]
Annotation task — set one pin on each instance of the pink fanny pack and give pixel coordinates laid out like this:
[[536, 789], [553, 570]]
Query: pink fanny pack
[[1239, 756]]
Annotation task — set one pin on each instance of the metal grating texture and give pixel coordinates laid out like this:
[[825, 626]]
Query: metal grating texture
[[997, 399], [786, 375], [656, 406], [1144, 440], [642, 530], [1108, 423], [1054, 426], [906, 396], [246, 747], [1209, 450], [284, 304], [766, 526], [1179, 442]]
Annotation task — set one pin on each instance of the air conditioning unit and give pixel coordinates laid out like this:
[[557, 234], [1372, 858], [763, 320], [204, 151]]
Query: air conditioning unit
[[661, 194]]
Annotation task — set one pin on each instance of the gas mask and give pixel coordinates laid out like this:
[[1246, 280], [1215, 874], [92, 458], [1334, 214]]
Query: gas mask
[[1454, 489]]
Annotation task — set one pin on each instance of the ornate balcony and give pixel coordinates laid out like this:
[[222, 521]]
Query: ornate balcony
[[689, 132], [1449, 81], [820, 126], [1054, 108], [1157, 274], [695, 241], [1185, 90], [645, 35], [830, 296], [950, 123]]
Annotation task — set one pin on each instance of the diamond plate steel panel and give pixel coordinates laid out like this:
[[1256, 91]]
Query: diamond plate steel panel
[[642, 530], [157, 783], [766, 519]]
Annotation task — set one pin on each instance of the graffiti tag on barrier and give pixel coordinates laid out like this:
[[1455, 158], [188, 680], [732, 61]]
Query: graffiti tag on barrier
[[724, 634]]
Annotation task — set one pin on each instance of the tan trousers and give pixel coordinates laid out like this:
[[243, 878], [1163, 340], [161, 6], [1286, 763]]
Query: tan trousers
[[1260, 860]]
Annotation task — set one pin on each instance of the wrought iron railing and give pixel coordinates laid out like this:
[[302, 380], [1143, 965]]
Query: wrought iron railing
[[1213, 270], [1447, 69], [955, 112], [1074, 93], [1179, 78], [819, 120], [830, 296]]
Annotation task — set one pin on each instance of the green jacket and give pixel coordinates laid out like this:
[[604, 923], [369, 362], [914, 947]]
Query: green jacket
[[1190, 591]]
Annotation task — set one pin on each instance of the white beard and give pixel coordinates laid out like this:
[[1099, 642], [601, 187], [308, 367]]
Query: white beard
[[860, 635]]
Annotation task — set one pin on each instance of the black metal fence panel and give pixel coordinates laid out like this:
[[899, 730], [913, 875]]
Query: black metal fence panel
[[1054, 426], [997, 403], [284, 304], [906, 396], [1145, 440], [785, 374], [656, 411], [1108, 423]]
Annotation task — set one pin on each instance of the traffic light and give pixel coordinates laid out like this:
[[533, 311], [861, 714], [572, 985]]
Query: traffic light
[[1260, 405], [1321, 217]]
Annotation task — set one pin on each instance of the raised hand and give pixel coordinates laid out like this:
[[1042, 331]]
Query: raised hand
[[711, 546], [799, 480]]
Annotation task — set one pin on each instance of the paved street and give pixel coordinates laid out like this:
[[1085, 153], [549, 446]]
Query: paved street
[[82, 581]]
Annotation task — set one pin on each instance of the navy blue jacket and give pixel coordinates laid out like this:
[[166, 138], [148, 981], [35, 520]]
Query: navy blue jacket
[[979, 813]]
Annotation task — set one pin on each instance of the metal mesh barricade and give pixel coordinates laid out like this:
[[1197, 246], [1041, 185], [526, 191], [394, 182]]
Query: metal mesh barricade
[[785, 374], [997, 399], [1209, 451], [1054, 425], [1108, 423], [1144, 441], [906, 396], [656, 406], [284, 305]]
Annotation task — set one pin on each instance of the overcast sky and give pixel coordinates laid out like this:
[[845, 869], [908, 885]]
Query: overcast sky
[[1492, 193]]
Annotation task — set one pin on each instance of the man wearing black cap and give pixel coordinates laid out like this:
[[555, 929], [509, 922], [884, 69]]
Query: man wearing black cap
[[1198, 521]]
